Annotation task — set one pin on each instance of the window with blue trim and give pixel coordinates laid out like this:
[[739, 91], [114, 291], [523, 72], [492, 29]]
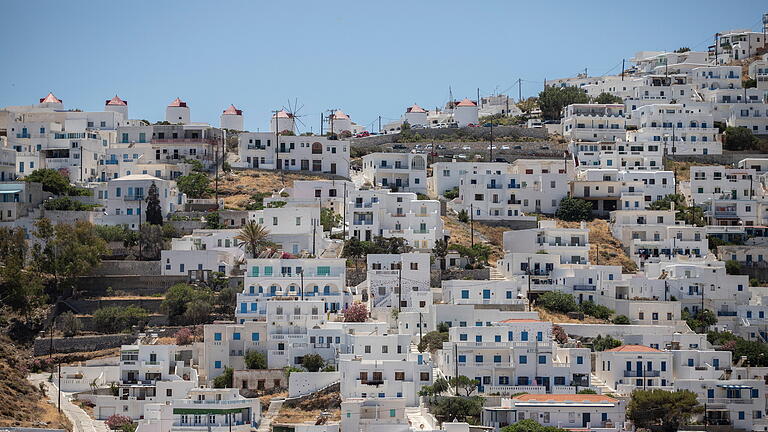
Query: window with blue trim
[[236, 336], [217, 364], [478, 338], [478, 359], [465, 294], [497, 338], [524, 336], [463, 337], [510, 336], [255, 337], [497, 359], [542, 359], [579, 360], [523, 359], [462, 358], [217, 336]]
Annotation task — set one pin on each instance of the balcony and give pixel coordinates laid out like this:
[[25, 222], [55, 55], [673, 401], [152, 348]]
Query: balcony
[[726, 313], [584, 288], [493, 186], [134, 198], [641, 374]]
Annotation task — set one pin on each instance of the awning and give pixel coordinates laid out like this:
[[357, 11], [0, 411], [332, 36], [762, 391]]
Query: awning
[[734, 386], [12, 191]]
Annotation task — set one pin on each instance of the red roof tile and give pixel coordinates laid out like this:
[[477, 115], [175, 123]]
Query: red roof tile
[[177, 103], [50, 99], [466, 102], [117, 101], [582, 398], [339, 114], [633, 348], [232, 110], [282, 114]]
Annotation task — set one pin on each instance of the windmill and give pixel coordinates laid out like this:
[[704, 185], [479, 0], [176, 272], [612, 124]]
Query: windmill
[[294, 113]]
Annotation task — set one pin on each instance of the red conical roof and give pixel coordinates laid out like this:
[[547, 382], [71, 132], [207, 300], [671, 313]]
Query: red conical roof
[[177, 103], [117, 101], [50, 99], [466, 102], [415, 109], [232, 110]]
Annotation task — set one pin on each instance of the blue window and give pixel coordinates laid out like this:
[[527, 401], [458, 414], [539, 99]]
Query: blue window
[[755, 393], [524, 336], [463, 337], [509, 294], [243, 307], [497, 338], [255, 337], [542, 359], [217, 364], [478, 338], [465, 294], [741, 415], [478, 323], [462, 323], [510, 336], [217, 336], [579, 360], [236, 336], [710, 393], [399, 394], [539, 336], [523, 359], [462, 358], [663, 366], [690, 362], [381, 395], [478, 359], [497, 359]]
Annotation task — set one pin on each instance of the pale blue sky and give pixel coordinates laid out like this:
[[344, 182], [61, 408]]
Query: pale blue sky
[[367, 58]]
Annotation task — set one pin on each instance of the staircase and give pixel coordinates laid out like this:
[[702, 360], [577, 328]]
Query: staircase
[[496, 274], [601, 386], [266, 420]]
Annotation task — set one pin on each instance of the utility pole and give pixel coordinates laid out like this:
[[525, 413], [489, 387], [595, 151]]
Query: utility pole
[[216, 173], [490, 148], [139, 229], [314, 234], [471, 225], [344, 215], [622, 69], [716, 35], [81, 162], [301, 273], [456, 365], [59, 386], [399, 286], [597, 253], [379, 124], [528, 293], [519, 91], [478, 96], [420, 325], [277, 150], [322, 119]]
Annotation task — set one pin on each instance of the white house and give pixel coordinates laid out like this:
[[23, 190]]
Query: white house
[[232, 118], [294, 153], [204, 249], [380, 212], [568, 411], [126, 199], [212, 409], [405, 172], [177, 112], [394, 278], [594, 122]]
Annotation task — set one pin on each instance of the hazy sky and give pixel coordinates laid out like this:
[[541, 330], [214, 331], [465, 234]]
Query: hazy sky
[[367, 58]]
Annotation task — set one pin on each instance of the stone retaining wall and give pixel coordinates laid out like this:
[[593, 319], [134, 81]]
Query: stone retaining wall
[[81, 343]]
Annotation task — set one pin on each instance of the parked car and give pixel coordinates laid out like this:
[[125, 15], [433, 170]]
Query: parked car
[[471, 125], [440, 147], [363, 134], [462, 156], [453, 125], [489, 124], [466, 147], [505, 147], [398, 147], [545, 147], [518, 147]]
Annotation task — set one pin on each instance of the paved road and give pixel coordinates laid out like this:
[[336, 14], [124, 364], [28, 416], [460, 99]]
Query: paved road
[[81, 421]]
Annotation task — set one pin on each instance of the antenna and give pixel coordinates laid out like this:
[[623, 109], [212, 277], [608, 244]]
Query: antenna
[[331, 116]]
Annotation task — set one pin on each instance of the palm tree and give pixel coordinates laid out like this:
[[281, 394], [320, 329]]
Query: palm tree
[[255, 237]]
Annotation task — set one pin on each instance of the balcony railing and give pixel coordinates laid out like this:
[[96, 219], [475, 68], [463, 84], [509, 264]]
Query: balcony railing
[[584, 288], [641, 374], [134, 198]]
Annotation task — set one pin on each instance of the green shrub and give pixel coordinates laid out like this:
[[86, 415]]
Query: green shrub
[[556, 301], [115, 319]]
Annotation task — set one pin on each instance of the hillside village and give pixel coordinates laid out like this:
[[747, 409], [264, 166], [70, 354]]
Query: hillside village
[[593, 258]]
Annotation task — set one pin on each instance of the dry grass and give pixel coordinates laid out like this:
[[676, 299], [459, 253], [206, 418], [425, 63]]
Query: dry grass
[[266, 399], [611, 251], [21, 403], [70, 358], [310, 409], [460, 234], [237, 187], [563, 318], [682, 169]]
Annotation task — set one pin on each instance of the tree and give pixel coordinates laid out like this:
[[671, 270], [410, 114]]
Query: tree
[[52, 180], [440, 251], [66, 251], [154, 213], [177, 301], [458, 408], [151, 239], [601, 343], [701, 320], [595, 310], [224, 380], [69, 324], [255, 238], [732, 267], [530, 425], [198, 312], [607, 98], [356, 312], [529, 104], [117, 421], [662, 410], [116, 319], [749, 83], [451, 194], [755, 352], [621, 320], [464, 383], [557, 301], [329, 219], [432, 341], [213, 220], [355, 249], [586, 391], [553, 99], [194, 185], [184, 336], [739, 138], [313, 362], [65, 203], [255, 360], [682, 50], [463, 216], [574, 210]]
